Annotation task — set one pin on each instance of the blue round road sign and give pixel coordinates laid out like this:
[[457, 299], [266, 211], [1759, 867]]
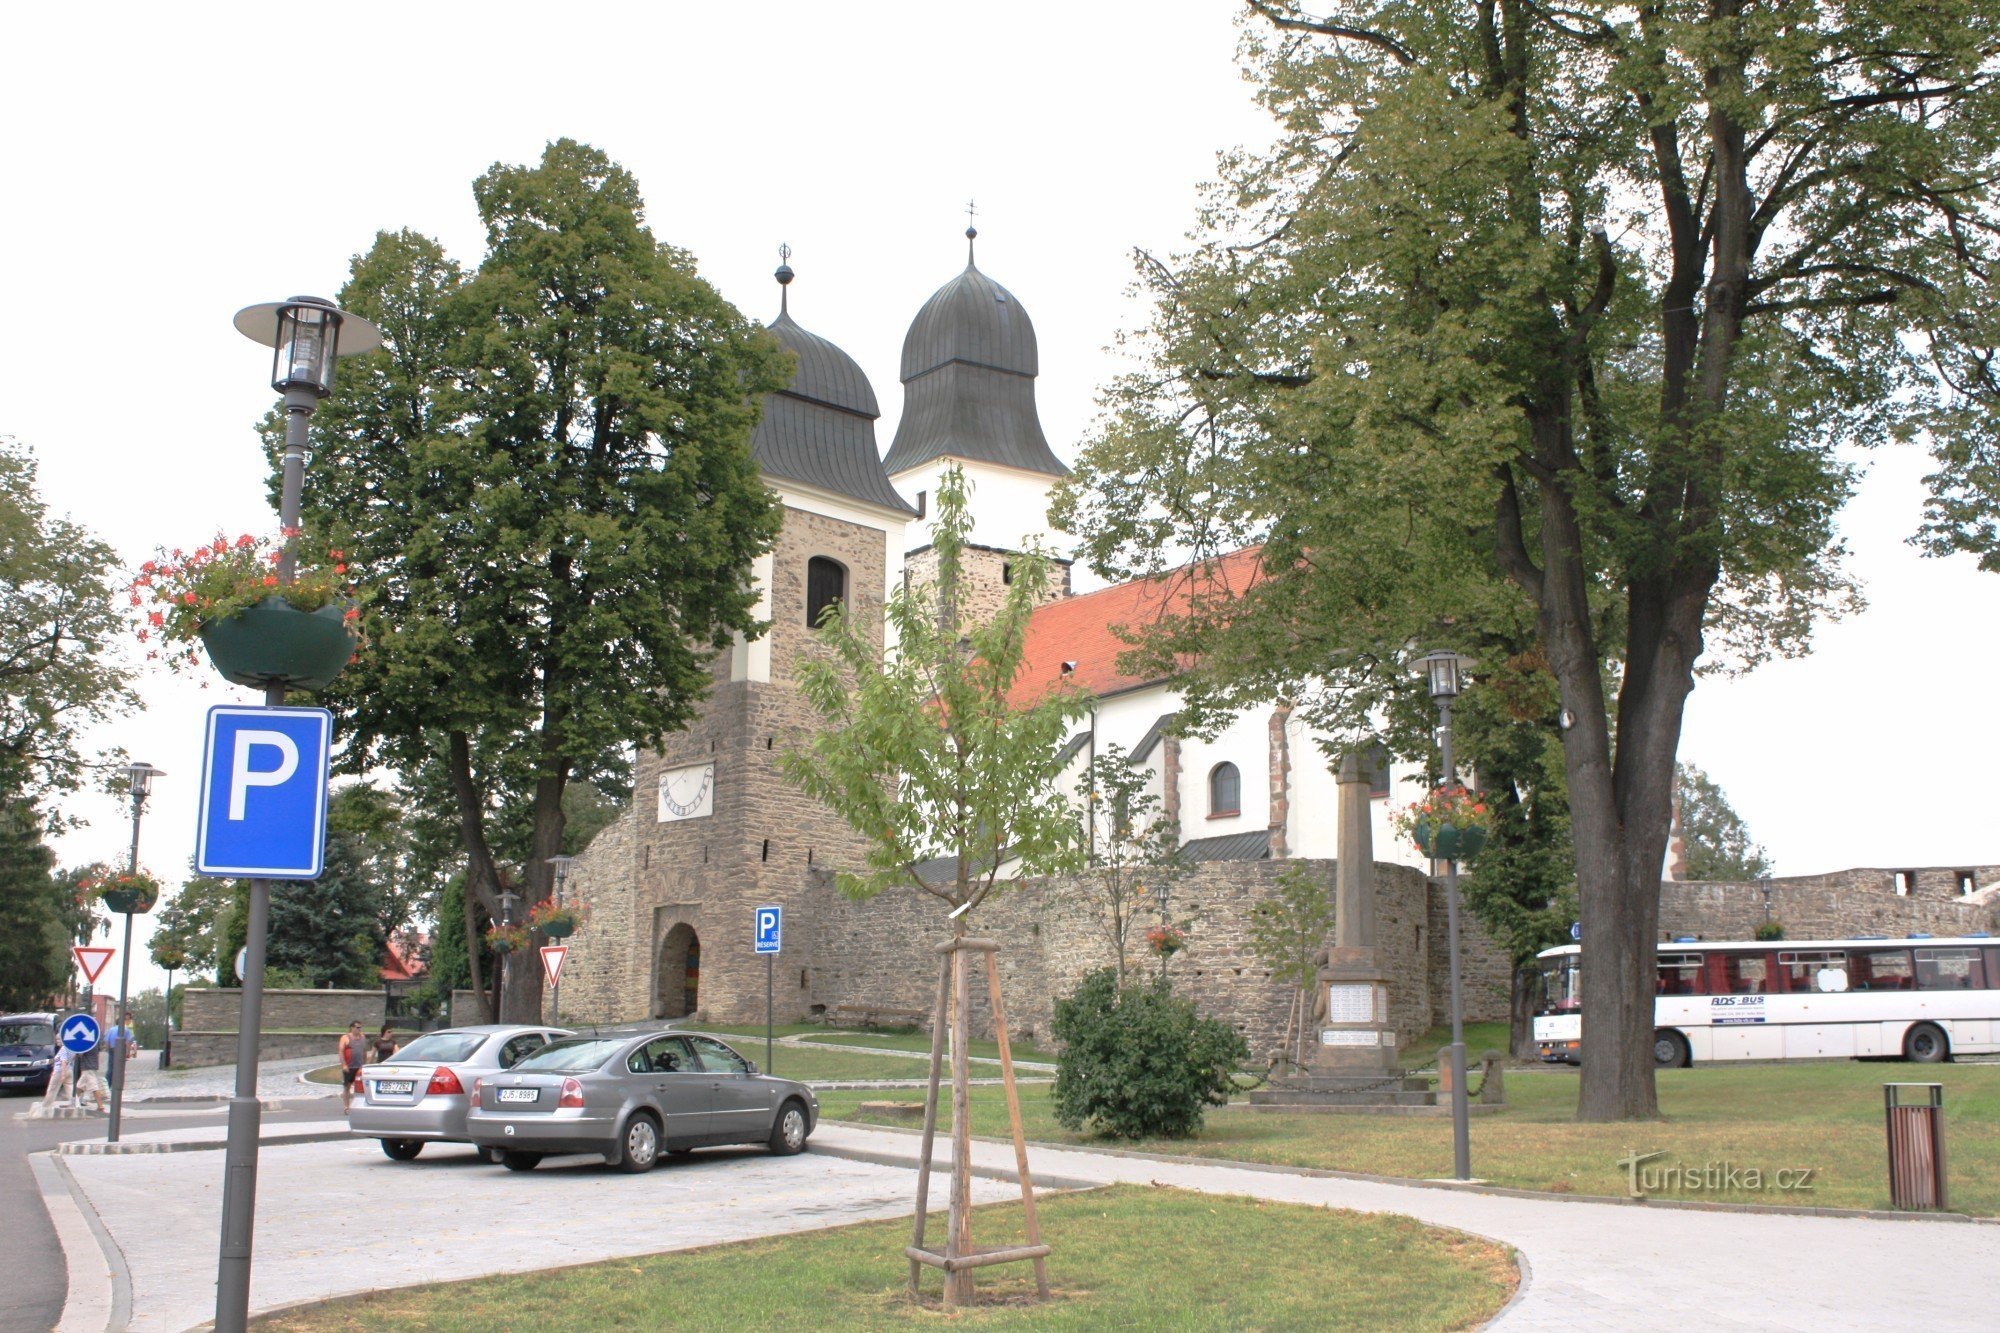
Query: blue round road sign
[[1576, 930], [80, 1033]]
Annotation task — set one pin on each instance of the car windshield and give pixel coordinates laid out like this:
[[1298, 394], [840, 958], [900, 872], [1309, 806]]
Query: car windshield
[[443, 1047], [27, 1034], [573, 1056]]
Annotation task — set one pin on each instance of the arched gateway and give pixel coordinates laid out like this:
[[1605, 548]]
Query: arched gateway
[[677, 979]]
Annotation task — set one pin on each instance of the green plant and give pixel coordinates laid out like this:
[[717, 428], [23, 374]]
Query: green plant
[[191, 590], [1770, 930], [1139, 1063], [142, 887], [548, 917], [1451, 805], [506, 939], [1286, 935]]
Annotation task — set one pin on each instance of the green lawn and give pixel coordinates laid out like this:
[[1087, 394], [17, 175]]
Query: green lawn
[[1824, 1116], [1480, 1038], [1235, 1264], [900, 1040]]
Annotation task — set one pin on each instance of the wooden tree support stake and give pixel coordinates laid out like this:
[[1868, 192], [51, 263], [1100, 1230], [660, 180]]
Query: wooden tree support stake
[[959, 1257]]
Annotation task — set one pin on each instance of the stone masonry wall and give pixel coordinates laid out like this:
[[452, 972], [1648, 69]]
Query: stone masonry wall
[[983, 579], [213, 1009], [1849, 902]]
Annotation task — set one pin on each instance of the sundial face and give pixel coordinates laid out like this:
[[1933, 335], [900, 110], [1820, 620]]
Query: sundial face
[[687, 793]]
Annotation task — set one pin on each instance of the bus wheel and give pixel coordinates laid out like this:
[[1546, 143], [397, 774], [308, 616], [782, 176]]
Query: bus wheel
[[1670, 1049], [1925, 1045]]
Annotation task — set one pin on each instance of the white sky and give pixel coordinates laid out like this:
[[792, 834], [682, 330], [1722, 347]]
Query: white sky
[[166, 165]]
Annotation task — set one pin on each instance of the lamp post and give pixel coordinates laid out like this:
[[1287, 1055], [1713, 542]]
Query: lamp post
[[561, 865], [307, 335], [1160, 892], [1441, 671], [139, 781]]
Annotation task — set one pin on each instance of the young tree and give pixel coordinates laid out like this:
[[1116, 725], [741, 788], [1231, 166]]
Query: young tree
[[1286, 934], [546, 483], [924, 750], [1563, 312], [59, 621], [1715, 837], [1133, 850], [199, 921], [34, 926]]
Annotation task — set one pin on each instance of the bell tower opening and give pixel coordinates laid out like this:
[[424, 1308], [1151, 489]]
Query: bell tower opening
[[677, 980]]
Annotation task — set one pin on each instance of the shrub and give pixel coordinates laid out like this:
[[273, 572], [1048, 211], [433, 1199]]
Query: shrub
[[1140, 1062], [1770, 930]]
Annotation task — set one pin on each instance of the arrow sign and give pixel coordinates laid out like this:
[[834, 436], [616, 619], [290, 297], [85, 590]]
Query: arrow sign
[[91, 960], [552, 961], [80, 1033]]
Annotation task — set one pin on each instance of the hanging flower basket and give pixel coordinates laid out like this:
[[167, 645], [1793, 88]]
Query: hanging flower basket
[[1166, 941], [275, 643], [130, 893], [506, 939], [1450, 824], [557, 922]]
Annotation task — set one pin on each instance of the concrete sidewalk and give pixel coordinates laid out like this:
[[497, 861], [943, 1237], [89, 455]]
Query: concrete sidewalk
[[1598, 1266]]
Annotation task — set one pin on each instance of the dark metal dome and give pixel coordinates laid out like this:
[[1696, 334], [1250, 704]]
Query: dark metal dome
[[969, 367], [821, 430]]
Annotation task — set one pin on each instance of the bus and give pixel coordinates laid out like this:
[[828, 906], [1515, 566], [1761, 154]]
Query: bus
[[1919, 998]]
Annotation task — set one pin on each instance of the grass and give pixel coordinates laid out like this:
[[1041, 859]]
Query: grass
[[1480, 1038], [1236, 1264], [908, 1040], [1826, 1116]]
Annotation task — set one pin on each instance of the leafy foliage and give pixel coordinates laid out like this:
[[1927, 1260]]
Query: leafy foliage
[[1138, 1062], [1134, 849], [35, 913], [924, 752], [1287, 931], [60, 676], [1716, 839], [1559, 318], [545, 482]]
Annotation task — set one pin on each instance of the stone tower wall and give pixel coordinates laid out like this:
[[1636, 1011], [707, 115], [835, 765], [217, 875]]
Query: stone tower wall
[[983, 579]]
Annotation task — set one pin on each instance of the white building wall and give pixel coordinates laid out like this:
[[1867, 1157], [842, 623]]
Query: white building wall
[[1009, 506], [1243, 741]]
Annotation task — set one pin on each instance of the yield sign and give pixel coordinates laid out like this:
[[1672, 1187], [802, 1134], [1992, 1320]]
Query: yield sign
[[91, 960], [552, 961]]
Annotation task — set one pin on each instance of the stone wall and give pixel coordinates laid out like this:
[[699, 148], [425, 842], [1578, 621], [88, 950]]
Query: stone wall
[[214, 1009], [1844, 903], [195, 1049], [984, 575]]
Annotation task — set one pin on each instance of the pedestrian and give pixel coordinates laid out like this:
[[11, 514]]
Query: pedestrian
[[384, 1044], [353, 1055], [89, 1081], [123, 1046], [62, 1079]]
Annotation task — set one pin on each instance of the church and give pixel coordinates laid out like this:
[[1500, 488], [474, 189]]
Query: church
[[715, 831]]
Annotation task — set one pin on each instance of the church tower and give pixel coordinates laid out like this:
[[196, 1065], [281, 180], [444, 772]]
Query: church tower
[[969, 367], [715, 830]]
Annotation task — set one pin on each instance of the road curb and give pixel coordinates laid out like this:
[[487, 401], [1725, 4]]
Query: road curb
[[99, 1293], [129, 1147], [909, 1163]]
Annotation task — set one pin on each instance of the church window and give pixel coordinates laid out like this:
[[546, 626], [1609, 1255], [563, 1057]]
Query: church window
[[923, 504], [826, 585], [1225, 791], [1007, 571]]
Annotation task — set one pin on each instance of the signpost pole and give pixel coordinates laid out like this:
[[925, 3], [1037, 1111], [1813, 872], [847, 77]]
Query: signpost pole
[[770, 966], [767, 935]]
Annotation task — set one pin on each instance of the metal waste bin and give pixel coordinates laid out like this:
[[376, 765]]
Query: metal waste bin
[[1916, 1144]]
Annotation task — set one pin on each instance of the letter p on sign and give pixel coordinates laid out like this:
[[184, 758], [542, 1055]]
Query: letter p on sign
[[263, 793]]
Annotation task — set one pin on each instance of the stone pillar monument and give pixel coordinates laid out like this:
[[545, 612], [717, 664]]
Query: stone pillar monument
[[1352, 1033]]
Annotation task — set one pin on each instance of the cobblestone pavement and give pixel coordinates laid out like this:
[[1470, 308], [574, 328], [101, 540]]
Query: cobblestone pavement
[[1606, 1266], [275, 1078], [334, 1218]]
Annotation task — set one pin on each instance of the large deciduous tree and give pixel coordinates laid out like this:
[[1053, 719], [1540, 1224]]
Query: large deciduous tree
[[546, 482], [1715, 839], [1565, 311], [60, 675]]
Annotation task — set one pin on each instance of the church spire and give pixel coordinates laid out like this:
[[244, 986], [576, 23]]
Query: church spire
[[971, 232], [784, 277]]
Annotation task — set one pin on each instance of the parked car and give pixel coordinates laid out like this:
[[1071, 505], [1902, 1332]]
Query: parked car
[[632, 1095], [27, 1049], [419, 1095]]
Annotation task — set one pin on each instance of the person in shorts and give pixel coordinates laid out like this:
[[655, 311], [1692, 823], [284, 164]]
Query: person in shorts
[[353, 1055], [89, 1082]]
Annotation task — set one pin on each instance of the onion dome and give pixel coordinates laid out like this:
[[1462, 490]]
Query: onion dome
[[821, 429], [969, 367]]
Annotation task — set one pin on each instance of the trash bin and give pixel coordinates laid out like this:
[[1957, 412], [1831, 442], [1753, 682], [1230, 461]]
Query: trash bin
[[1916, 1144]]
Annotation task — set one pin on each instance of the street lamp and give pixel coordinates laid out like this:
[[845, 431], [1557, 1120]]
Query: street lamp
[[307, 334], [139, 782], [1442, 671], [561, 865]]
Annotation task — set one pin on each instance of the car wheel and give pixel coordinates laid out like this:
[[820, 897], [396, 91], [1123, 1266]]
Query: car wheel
[[639, 1145], [1925, 1044], [402, 1150], [490, 1156], [1670, 1049], [520, 1161], [788, 1134]]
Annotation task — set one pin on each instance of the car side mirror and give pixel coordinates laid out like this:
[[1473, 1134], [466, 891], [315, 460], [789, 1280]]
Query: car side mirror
[[750, 1067]]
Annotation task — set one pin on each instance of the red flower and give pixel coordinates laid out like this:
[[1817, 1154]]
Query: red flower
[[156, 618], [340, 569], [245, 542], [188, 598], [270, 580]]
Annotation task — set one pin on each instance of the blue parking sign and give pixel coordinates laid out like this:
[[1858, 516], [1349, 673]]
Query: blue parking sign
[[263, 793], [770, 929]]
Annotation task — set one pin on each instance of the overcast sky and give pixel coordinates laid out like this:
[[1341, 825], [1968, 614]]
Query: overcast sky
[[166, 165]]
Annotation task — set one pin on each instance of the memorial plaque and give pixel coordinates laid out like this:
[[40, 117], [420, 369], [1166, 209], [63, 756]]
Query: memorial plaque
[[1350, 1003], [1333, 1038]]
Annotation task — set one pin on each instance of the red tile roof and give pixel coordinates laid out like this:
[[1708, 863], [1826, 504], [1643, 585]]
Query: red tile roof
[[1084, 629], [404, 962]]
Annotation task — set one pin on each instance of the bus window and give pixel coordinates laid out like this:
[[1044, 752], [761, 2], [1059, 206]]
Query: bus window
[[1881, 969], [1950, 969], [1679, 974], [1747, 973], [1561, 985], [1801, 971]]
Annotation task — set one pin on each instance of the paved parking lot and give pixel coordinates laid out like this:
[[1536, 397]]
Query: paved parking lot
[[340, 1217]]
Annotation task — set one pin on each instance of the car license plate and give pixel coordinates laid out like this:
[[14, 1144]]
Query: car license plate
[[517, 1094], [13, 1078], [387, 1086]]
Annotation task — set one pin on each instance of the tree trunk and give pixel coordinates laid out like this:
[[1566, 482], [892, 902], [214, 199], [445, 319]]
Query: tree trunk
[[521, 1000], [1521, 1012]]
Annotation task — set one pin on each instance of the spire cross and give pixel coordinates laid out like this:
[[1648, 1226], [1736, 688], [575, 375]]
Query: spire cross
[[784, 276], [971, 231]]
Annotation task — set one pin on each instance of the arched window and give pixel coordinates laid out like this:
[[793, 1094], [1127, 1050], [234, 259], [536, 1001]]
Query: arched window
[[1225, 791], [826, 585]]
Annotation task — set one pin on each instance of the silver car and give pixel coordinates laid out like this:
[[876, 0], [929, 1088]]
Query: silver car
[[633, 1095], [420, 1094]]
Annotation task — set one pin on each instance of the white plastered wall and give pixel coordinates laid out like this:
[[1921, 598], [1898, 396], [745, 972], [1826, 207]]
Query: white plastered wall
[[1009, 506]]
